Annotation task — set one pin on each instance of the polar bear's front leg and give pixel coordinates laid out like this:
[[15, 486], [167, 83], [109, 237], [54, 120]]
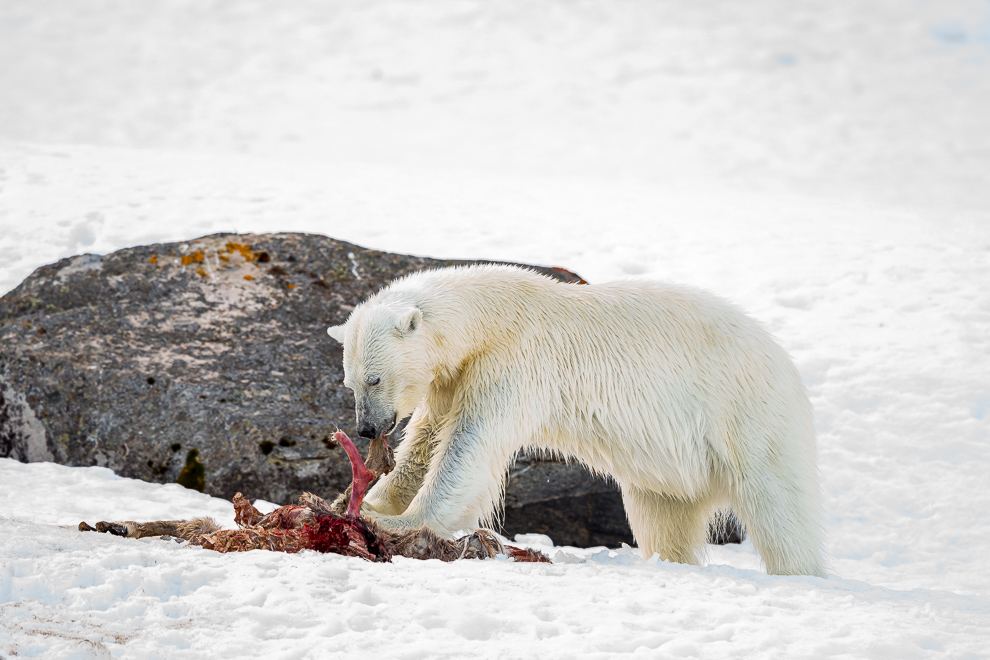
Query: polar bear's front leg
[[465, 480], [393, 492]]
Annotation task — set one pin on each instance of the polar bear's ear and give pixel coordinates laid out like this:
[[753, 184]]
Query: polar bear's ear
[[409, 320], [337, 332]]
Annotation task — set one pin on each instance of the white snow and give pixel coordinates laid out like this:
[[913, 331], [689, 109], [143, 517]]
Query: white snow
[[826, 165]]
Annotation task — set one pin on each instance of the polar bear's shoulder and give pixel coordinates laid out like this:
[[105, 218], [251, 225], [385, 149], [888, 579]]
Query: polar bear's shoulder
[[491, 273], [491, 278]]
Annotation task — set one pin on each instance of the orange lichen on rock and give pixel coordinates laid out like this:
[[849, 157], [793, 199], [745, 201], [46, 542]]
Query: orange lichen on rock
[[153, 259], [249, 277], [245, 250], [196, 256], [201, 273]]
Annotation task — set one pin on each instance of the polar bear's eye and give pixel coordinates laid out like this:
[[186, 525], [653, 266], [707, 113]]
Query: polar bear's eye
[[374, 380]]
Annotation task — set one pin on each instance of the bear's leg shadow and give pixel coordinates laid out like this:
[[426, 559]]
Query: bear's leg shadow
[[675, 529], [780, 512], [394, 491]]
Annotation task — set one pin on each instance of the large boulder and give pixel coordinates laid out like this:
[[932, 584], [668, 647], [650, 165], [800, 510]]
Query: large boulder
[[207, 363]]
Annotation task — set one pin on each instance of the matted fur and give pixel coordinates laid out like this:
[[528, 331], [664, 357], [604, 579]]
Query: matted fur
[[684, 400], [182, 529]]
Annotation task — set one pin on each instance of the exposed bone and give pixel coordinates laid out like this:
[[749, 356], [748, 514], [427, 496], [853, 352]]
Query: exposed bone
[[361, 475], [381, 461]]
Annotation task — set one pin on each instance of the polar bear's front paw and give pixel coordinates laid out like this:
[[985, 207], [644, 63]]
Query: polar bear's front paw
[[369, 510], [393, 523]]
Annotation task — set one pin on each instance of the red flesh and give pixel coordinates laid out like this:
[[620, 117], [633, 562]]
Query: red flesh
[[362, 476]]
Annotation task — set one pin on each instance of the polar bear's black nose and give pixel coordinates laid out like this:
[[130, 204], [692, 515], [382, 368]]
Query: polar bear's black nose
[[367, 431]]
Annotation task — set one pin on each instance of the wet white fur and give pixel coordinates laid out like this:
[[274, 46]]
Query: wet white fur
[[686, 402]]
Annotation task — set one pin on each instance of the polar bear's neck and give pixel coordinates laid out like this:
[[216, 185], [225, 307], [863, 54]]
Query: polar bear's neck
[[472, 310]]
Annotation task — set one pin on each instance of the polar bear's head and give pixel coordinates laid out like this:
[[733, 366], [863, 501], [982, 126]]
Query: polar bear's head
[[383, 364]]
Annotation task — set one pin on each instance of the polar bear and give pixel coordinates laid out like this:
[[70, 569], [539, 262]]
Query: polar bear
[[686, 402]]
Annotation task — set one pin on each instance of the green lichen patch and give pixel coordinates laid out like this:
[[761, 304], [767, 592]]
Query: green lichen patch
[[193, 473]]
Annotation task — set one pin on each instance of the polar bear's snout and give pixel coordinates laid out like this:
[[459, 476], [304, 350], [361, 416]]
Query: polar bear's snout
[[375, 414]]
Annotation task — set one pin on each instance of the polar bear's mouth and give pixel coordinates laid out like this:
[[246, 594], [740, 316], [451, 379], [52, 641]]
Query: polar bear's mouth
[[391, 427]]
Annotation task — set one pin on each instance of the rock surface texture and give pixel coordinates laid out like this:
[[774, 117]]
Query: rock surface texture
[[208, 363]]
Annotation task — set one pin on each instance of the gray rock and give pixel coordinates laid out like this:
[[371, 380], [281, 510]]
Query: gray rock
[[208, 363], [565, 502]]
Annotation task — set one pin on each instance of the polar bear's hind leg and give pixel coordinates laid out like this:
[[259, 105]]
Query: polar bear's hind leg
[[676, 529], [781, 519]]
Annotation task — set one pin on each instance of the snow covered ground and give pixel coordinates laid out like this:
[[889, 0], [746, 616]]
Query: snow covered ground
[[826, 165]]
